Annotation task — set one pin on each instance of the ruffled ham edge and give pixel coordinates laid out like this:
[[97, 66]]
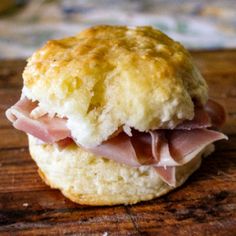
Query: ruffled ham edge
[[46, 128], [156, 150]]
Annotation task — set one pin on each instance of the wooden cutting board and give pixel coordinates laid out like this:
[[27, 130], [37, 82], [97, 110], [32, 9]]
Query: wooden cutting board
[[204, 205]]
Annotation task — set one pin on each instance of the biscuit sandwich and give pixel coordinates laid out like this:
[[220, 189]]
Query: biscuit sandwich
[[116, 115]]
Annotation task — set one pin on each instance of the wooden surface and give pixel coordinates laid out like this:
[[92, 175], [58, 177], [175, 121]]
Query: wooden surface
[[204, 205]]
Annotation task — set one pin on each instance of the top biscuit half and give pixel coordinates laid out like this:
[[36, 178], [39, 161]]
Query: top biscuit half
[[111, 77]]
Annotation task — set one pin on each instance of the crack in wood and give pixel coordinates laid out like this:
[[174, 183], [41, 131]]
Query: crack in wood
[[22, 148], [135, 224]]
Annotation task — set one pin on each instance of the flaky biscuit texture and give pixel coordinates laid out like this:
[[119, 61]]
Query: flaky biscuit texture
[[107, 77]]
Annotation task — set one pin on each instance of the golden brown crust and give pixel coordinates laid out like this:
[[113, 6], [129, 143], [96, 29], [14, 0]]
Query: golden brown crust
[[109, 76]]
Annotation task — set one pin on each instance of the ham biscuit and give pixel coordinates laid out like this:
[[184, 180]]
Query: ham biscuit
[[116, 115]]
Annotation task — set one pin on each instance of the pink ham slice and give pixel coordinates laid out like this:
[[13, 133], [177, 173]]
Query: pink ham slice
[[183, 143], [201, 120], [167, 174], [172, 148], [162, 149], [47, 129], [119, 149], [212, 114], [216, 113], [178, 149]]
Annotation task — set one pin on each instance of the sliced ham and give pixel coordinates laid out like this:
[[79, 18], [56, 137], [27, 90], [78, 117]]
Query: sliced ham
[[211, 115], [157, 150], [119, 149], [216, 112], [47, 129], [179, 148], [157, 140], [167, 174], [201, 120], [183, 143], [162, 149]]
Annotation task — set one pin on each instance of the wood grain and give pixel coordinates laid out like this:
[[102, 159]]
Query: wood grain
[[204, 205]]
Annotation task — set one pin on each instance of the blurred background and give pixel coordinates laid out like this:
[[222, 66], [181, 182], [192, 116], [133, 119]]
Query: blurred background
[[26, 24]]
